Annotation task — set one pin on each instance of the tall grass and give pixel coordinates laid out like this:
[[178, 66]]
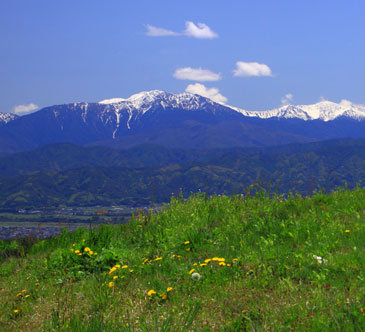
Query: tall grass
[[241, 263]]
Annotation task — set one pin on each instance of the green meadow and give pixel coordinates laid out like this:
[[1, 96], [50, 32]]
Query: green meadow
[[207, 263]]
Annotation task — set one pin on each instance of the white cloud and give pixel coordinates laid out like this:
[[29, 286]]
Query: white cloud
[[287, 99], [25, 109], [196, 74], [247, 69], [158, 32], [200, 30], [202, 90], [346, 103]]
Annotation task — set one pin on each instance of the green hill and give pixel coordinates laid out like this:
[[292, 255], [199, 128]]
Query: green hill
[[219, 263], [64, 174]]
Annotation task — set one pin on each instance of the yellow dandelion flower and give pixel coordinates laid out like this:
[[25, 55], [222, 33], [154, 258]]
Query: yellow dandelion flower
[[115, 277], [187, 249], [79, 254], [186, 242], [362, 309], [163, 296], [77, 251], [91, 252], [72, 250], [203, 264], [151, 292], [216, 259], [169, 289], [27, 278], [26, 296], [24, 290], [158, 258], [191, 271], [208, 260], [125, 267], [113, 269], [19, 294], [347, 231], [16, 311], [228, 265], [111, 284], [243, 311], [195, 264], [222, 263], [95, 253], [130, 271], [235, 259], [37, 283], [73, 244], [173, 256], [117, 266], [87, 249]]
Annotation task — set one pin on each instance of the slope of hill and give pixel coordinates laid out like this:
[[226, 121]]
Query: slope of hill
[[205, 264], [151, 173]]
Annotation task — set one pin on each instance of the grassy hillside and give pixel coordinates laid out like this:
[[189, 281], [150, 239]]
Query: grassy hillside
[[243, 263]]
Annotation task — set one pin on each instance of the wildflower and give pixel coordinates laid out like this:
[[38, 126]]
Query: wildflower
[[140, 226], [24, 290], [91, 252], [169, 289], [87, 249], [163, 296], [111, 284], [130, 271], [79, 254], [244, 311], [347, 231], [208, 260], [77, 251], [222, 263], [196, 276], [16, 311], [73, 244], [117, 266], [151, 292], [19, 294], [26, 296], [186, 242], [113, 269], [195, 264], [173, 256], [115, 277], [124, 266], [228, 265], [203, 264], [191, 271], [158, 258], [37, 283], [95, 253], [27, 278], [319, 259], [362, 309], [235, 259], [72, 250], [187, 249]]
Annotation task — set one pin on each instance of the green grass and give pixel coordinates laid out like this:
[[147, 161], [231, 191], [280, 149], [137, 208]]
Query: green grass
[[293, 264]]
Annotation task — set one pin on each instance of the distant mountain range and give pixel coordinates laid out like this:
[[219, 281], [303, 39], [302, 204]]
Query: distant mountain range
[[65, 174], [178, 121]]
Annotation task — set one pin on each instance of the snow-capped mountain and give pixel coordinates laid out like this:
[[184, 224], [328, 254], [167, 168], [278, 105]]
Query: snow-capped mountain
[[324, 110], [180, 120], [7, 117]]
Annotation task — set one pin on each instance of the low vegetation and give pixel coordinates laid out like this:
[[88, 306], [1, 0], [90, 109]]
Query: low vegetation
[[242, 263]]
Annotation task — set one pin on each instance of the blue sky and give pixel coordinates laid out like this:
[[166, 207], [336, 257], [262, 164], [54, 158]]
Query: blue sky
[[253, 53]]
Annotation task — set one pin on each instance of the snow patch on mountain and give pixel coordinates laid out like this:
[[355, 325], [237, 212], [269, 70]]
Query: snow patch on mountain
[[7, 117], [324, 110]]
